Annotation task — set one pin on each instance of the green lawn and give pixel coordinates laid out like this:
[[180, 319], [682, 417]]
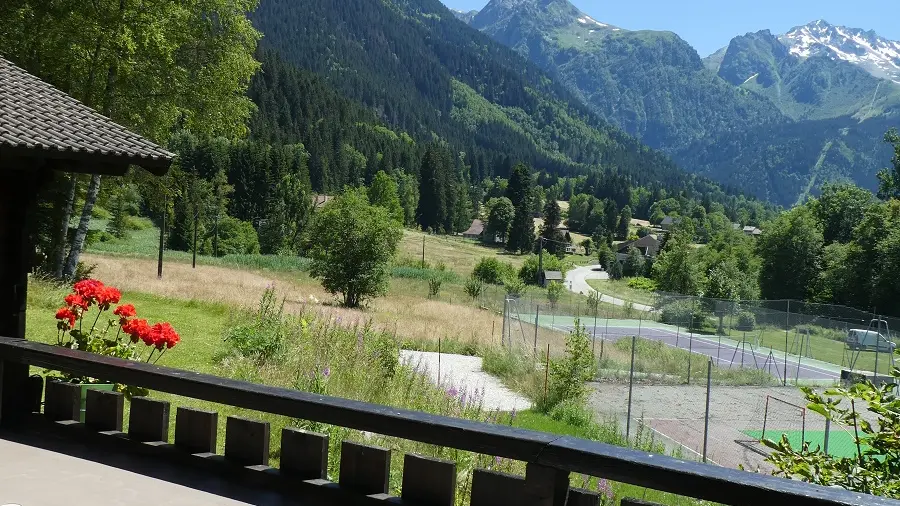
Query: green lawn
[[619, 289]]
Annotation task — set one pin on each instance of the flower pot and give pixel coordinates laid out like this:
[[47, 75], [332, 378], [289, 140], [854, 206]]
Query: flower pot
[[107, 387]]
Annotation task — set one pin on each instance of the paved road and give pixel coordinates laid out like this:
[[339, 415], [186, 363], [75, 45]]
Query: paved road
[[724, 352], [576, 281]]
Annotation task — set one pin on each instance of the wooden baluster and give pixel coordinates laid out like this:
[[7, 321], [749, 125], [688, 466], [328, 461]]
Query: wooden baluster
[[195, 430], [148, 420], [365, 469], [429, 481], [104, 410], [246, 441], [545, 486], [304, 455], [490, 488], [62, 401], [580, 497]]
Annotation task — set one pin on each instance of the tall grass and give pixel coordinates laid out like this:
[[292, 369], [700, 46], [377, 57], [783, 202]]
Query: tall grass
[[662, 363]]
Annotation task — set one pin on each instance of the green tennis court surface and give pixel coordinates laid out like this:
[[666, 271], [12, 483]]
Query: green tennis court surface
[[840, 443]]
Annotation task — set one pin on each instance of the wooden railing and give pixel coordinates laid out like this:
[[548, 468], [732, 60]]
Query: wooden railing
[[364, 470]]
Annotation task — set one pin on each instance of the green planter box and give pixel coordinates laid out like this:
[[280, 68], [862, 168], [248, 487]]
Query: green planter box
[[107, 387]]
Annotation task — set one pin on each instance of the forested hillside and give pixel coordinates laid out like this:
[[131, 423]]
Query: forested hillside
[[417, 69], [789, 162]]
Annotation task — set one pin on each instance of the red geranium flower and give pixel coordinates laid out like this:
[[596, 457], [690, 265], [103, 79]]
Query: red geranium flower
[[74, 300], [137, 329], [125, 311], [108, 295], [90, 289], [66, 316]]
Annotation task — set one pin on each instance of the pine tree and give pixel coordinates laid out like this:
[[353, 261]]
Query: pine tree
[[519, 192]]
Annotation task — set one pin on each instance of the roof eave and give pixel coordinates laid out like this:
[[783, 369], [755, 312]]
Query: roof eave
[[84, 162]]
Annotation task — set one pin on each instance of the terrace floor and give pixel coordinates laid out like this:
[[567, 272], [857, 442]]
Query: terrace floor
[[41, 471]]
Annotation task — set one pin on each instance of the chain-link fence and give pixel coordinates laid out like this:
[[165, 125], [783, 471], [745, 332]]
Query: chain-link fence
[[658, 361]]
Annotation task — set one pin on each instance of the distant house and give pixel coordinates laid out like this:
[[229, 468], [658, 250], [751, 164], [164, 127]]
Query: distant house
[[640, 223], [548, 276], [736, 226], [647, 245], [752, 231], [475, 230], [669, 221]]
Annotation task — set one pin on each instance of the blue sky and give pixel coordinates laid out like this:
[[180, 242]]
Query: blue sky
[[710, 24]]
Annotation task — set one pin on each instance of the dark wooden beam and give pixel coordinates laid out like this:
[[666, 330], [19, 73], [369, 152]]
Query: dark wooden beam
[[18, 193]]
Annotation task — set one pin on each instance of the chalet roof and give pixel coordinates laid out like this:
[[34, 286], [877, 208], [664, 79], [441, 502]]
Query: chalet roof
[[38, 121], [648, 242], [671, 220], [476, 228], [553, 275]]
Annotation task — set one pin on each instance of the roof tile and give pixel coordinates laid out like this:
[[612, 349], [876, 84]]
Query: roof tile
[[36, 116]]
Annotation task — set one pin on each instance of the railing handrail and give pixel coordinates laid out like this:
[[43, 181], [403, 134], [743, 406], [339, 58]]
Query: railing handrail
[[693, 479]]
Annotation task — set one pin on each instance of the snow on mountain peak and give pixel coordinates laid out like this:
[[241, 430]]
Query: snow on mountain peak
[[877, 55]]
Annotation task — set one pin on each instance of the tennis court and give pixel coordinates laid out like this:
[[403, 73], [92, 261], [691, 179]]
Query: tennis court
[[840, 443], [724, 352]]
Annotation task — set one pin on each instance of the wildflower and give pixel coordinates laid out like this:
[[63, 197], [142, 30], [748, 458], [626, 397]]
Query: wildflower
[[66, 318], [512, 416], [326, 372], [452, 392], [73, 300], [604, 489], [497, 461], [462, 398]]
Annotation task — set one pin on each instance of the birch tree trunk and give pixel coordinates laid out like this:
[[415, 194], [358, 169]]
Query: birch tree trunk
[[78, 241], [62, 233]]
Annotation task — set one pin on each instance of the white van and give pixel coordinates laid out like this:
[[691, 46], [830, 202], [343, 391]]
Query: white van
[[861, 339]]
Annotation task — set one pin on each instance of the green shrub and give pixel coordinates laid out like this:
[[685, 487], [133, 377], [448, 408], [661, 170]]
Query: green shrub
[[746, 321], [493, 271], [569, 374], [474, 287], [642, 283], [235, 237], [260, 335], [434, 287], [554, 291], [529, 271], [515, 287], [683, 313]]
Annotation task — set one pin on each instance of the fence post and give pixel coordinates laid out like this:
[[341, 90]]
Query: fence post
[[537, 318], [706, 419], [827, 435], [691, 339], [787, 330], [630, 388], [439, 362], [547, 372]]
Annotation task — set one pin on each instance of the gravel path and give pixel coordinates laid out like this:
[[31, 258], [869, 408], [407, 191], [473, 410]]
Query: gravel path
[[464, 373]]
